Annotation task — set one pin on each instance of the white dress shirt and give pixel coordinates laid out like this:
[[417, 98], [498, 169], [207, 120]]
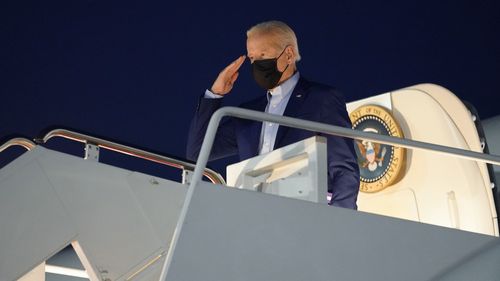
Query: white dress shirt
[[277, 99]]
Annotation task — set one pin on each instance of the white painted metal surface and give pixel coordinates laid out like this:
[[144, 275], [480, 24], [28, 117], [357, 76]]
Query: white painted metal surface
[[296, 171], [445, 191]]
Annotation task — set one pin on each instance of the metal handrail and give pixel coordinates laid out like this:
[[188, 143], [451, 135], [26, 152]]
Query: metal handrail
[[326, 129], [26, 143], [305, 125], [213, 176]]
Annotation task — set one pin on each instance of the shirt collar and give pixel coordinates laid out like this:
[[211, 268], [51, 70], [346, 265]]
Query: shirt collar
[[284, 89]]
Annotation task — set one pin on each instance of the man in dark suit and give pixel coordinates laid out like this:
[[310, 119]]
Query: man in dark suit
[[273, 51]]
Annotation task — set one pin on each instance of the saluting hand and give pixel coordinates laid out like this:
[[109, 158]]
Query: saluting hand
[[224, 82]]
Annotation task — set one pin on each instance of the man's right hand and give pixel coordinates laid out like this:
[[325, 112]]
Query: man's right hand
[[224, 82]]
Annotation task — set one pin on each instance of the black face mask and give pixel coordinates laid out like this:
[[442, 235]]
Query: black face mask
[[266, 73]]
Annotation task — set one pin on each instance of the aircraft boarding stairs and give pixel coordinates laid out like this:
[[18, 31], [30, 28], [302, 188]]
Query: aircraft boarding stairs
[[126, 225]]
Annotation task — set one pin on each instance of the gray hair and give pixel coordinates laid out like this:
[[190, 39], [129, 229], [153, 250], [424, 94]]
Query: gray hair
[[283, 34]]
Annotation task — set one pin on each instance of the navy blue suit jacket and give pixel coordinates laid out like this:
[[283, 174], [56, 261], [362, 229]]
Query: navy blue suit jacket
[[309, 101]]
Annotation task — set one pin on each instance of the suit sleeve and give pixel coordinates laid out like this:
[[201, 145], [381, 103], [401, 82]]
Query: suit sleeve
[[225, 139], [343, 170]]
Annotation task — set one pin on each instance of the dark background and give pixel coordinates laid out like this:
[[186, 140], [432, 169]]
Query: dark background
[[131, 71]]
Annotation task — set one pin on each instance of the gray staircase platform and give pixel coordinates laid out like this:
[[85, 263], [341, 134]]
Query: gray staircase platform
[[240, 235]]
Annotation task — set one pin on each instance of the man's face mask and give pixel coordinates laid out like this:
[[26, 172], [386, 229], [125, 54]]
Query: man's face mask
[[266, 73]]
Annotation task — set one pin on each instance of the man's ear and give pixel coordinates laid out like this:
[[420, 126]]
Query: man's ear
[[290, 54]]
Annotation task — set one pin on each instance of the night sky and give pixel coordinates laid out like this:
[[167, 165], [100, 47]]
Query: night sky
[[132, 71]]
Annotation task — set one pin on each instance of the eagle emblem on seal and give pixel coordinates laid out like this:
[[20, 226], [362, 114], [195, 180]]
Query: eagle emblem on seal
[[380, 165]]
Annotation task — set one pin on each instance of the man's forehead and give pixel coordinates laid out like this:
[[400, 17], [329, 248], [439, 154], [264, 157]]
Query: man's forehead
[[261, 45], [260, 49]]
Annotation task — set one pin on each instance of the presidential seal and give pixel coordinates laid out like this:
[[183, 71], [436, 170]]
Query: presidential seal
[[380, 165]]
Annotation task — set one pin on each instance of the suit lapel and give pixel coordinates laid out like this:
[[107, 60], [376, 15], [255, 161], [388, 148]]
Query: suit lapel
[[295, 102]]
